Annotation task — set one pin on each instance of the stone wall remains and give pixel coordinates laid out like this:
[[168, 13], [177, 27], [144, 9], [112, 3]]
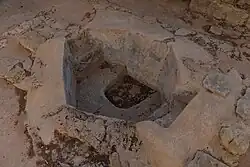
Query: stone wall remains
[[231, 12]]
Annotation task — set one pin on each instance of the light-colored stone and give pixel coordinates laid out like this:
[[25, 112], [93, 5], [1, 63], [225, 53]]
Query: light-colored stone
[[181, 51], [216, 10], [217, 83], [231, 14], [28, 83], [231, 33], [13, 141], [149, 19], [243, 107], [230, 159], [235, 139], [12, 55], [216, 149], [184, 32], [31, 41], [15, 75], [202, 159], [199, 5], [3, 43], [52, 67], [215, 30], [243, 3], [236, 16], [115, 160], [124, 21], [198, 123]]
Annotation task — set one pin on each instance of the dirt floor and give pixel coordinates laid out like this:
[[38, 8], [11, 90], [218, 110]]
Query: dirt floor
[[102, 136]]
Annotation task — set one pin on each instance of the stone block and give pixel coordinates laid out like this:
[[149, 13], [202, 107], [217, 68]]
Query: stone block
[[139, 46], [216, 10], [215, 30], [184, 32], [245, 4], [31, 41], [52, 67], [235, 16], [229, 13], [217, 83], [15, 74], [235, 139], [243, 107], [13, 55], [192, 130], [199, 5], [202, 159]]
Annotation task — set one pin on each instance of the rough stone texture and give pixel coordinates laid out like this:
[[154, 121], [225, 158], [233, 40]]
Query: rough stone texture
[[189, 64], [235, 139], [217, 83], [184, 32], [16, 74], [199, 5], [14, 60], [115, 160], [202, 159], [197, 124], [80, 136], [31, 41], [243, 107], [51, 57], [195, 54], [57, 126], [215, 30], [147, 58], [217, 150], [227, 11]]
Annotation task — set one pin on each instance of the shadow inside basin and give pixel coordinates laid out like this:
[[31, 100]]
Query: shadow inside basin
[[127, 92], [109, 91]]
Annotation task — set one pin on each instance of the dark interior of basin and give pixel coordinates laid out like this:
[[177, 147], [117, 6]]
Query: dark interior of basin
[[109, 91], [127, 92], [105, 88]]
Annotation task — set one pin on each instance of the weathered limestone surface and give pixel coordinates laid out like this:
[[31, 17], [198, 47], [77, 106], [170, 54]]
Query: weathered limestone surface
[[235, 139], [14, 61], [202, 159], [192, 129], [243, 107], [97, 136], [159, 50], [131, 42], [51, 69], [233, 13]]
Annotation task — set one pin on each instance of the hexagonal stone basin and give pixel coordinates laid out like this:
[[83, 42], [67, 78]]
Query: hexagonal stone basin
[[135, 80], [109, 91]]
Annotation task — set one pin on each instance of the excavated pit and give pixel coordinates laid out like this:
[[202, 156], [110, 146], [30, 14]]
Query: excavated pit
[[127, 92], [115, 89], [109, 91]]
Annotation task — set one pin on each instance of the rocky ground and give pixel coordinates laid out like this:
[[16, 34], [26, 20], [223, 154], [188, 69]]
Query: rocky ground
[[39, 128]]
